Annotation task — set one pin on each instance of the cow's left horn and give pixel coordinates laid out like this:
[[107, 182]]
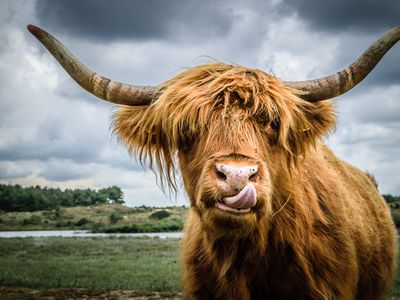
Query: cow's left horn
[[104, 88], [344, 80]]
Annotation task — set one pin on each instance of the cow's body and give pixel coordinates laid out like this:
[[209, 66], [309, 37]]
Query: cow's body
[[274, 214], [351, 256]]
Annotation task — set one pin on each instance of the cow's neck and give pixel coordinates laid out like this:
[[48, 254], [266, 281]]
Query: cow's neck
[[240, 255]]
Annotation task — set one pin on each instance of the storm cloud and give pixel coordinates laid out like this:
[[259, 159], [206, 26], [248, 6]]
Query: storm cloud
[[357, 23], [138, 20], [343, 15]]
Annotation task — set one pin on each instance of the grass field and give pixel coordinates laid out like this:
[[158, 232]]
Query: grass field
[[149, 264], [96, 264]]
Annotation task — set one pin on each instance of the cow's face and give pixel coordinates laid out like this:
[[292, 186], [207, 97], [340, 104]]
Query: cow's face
[[234, 130], [226, 172]]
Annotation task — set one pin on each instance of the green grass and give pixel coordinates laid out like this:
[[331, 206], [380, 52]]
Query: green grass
[[150, 264], [109, 263]]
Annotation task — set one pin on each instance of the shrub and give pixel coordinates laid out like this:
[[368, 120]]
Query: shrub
[[159, 215], [82, 221], [115, 217]]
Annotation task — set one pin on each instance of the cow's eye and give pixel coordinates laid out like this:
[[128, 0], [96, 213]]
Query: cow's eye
[[274, 124], [186, 144]]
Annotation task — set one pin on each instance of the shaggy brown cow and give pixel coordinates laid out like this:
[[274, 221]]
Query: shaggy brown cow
[[274, 214]]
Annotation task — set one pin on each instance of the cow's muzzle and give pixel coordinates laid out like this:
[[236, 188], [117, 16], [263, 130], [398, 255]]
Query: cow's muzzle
[[236, 183]]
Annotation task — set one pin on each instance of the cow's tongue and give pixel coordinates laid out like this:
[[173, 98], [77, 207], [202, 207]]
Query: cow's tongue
[[246, 199]]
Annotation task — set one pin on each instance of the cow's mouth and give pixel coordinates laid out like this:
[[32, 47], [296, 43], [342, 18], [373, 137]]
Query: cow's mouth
[[241, 202]]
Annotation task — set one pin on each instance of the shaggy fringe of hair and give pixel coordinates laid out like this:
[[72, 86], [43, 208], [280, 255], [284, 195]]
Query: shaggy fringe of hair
[[187, 104]]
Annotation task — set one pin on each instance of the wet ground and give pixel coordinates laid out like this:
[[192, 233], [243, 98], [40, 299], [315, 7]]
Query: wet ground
[[55, 294]]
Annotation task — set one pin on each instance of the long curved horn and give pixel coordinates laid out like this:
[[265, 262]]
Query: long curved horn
[[344, 80], [102, 87]]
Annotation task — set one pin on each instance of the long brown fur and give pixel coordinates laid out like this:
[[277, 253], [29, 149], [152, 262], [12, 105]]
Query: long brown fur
[[320, 229]]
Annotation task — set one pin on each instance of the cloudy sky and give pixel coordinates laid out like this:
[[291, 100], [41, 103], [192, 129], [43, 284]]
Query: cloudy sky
[[53, 133]]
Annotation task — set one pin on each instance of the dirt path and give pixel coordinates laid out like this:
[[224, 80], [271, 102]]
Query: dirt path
[[56, 294], [86, 294]]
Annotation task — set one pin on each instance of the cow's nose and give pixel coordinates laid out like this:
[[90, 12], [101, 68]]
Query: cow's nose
[[232, 178]]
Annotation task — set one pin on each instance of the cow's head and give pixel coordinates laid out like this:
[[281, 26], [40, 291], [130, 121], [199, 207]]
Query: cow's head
[[234, 130]]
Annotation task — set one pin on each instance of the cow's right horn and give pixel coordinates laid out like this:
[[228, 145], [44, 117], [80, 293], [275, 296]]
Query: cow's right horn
[[104, 88], [337, 84]]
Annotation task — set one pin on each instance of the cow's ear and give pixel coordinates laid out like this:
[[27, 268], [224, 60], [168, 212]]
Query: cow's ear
[[140, 129], [137, 129], [320, 119], [309, 122]]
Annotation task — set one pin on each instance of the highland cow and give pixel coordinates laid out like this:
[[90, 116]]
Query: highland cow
[[273, 213]]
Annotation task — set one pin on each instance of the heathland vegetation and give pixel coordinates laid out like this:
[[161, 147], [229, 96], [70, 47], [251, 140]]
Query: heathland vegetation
[[36, 208], [100, 218]]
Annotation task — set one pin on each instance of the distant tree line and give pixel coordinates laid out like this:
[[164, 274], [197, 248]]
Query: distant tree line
[[390, 198], [18, 198]]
